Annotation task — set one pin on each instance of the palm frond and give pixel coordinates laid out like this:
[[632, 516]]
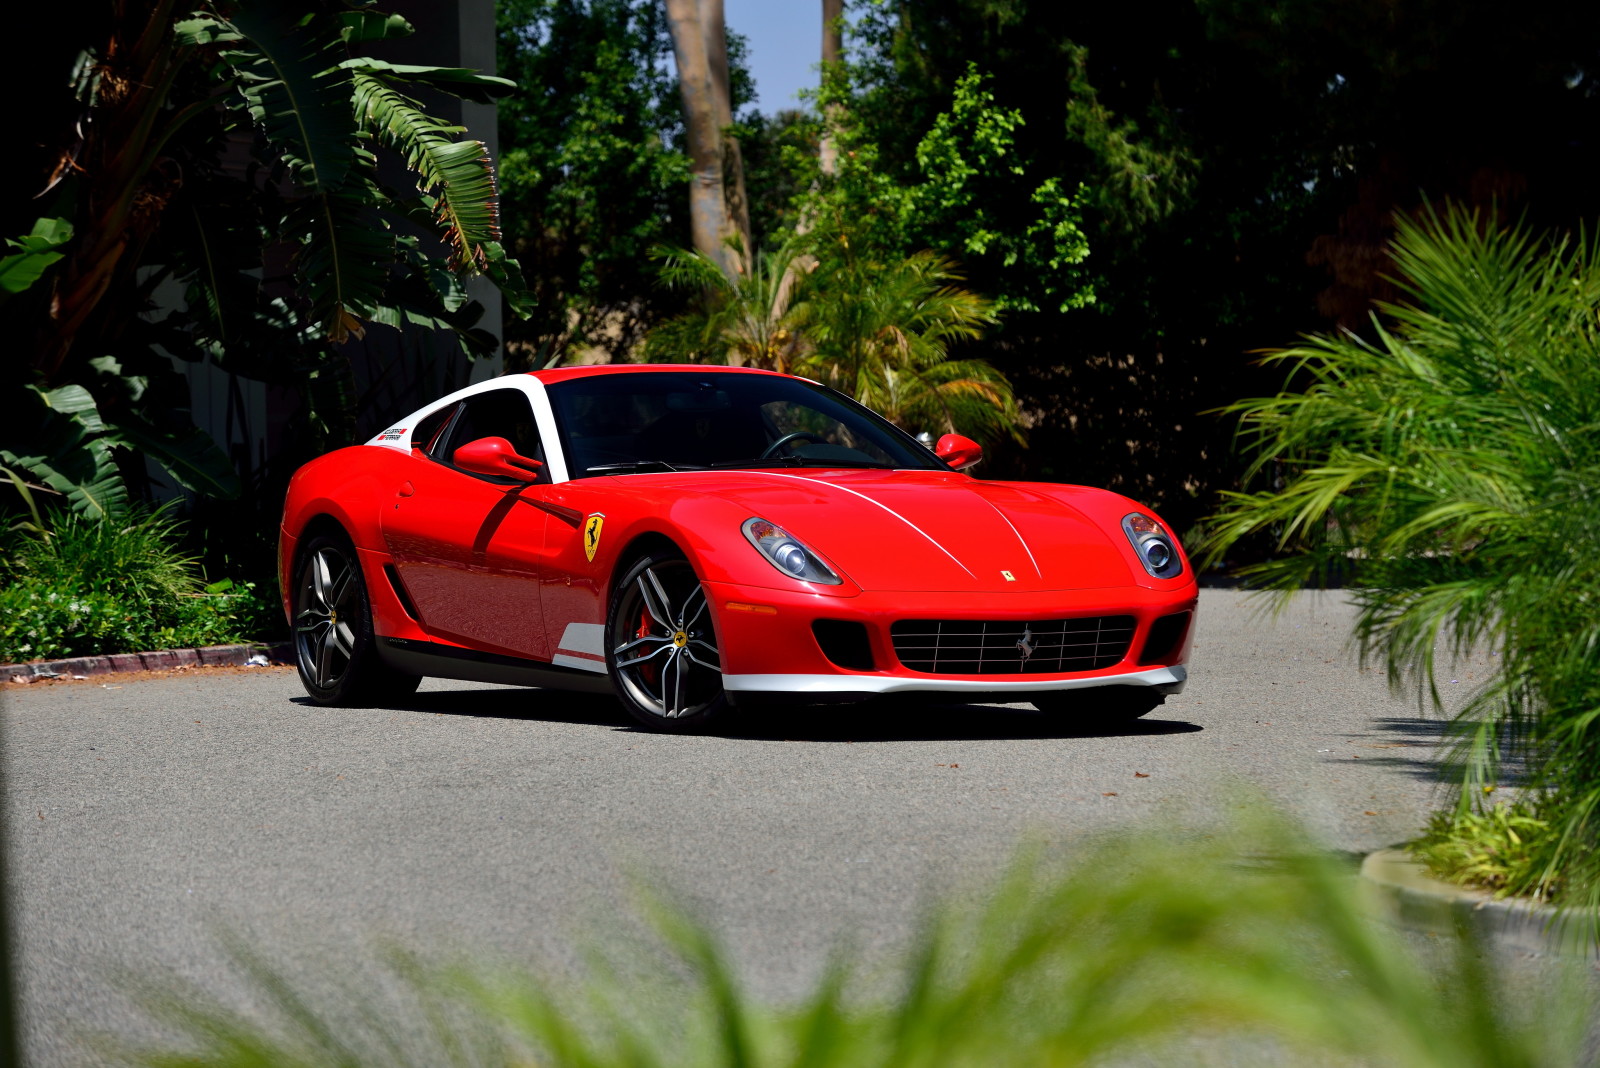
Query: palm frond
[[293, 90], [58, 437], [459, 175], [344, 259]]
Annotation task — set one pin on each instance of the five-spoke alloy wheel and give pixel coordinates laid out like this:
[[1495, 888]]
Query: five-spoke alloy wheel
[[333, 641], [661, 647]]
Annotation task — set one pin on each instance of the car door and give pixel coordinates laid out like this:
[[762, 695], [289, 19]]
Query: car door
[[467, 546]]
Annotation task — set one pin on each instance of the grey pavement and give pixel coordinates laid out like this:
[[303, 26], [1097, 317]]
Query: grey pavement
[[142, 816]]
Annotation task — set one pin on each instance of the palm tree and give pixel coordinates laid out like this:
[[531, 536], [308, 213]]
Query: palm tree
[[878, 332], [882, 333], [756, 319], [719, 215], [1447, 469]]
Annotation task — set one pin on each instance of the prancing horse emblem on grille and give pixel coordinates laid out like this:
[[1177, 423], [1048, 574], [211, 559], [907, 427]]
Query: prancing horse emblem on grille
[[1025, 644]]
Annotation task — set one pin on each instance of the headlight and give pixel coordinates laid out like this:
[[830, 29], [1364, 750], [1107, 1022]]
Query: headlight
[[786, 553], [1157, 551]]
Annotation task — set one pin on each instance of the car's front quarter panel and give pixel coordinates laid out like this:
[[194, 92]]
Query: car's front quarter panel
[[348, 486]]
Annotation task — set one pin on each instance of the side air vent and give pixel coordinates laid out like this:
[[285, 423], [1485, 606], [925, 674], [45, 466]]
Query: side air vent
[[400, 592], [1165, 638]]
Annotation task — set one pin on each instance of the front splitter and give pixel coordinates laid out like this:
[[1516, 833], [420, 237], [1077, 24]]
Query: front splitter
[[1167, 680]]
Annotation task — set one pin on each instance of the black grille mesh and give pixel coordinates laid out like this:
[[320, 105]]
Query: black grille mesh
[[992, 647]]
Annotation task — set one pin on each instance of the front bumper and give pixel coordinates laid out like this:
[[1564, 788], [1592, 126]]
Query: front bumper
[[768, 646], [1167, 680]]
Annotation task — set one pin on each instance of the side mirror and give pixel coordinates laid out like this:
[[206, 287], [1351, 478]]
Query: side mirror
[[959, 452], [495, 456]]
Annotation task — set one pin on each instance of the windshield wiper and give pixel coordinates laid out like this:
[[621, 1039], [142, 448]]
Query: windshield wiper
[[638, 465]]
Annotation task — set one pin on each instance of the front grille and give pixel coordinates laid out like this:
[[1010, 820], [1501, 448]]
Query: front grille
[[992, 647]]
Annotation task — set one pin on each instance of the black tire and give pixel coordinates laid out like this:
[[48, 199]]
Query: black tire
[[333, 644], [661, 648], [1099, 705]]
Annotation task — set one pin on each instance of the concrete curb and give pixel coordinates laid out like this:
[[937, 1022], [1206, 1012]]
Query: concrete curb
[[1402, 892], [162, 660]]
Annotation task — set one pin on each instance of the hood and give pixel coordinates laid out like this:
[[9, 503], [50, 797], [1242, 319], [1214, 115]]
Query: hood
[[934, 530]]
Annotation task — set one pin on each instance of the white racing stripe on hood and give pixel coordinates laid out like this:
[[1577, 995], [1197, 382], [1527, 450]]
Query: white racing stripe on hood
[[1020, 540], [886, 508]]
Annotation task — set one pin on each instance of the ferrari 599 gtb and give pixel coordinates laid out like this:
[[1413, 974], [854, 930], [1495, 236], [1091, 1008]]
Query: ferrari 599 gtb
[[694, 539]]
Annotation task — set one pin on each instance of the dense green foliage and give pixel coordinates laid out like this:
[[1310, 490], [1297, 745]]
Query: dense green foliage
[[84, 586], [1234, 166], [1217, 176], [954, 199], [229, 158], [1447, 470], [1138, 950], [593, 172], [850, 294]]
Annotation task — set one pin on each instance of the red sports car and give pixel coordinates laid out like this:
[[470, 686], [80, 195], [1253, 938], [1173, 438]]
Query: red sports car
[[693, 538]]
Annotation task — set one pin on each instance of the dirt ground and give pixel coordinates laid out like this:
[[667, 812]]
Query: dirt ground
[[123, 678]]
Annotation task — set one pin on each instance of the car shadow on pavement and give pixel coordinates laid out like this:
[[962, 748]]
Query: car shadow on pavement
[[902, 721], [882, 720], [514, 702]]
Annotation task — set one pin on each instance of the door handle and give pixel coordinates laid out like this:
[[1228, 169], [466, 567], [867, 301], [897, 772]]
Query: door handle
[[406, 489]]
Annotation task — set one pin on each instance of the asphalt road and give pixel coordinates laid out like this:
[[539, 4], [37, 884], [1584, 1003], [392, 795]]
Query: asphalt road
[[140, 816]]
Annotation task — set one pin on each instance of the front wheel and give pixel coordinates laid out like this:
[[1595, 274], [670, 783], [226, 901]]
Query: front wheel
[[661, 648], [1099, 705], [333, 643]]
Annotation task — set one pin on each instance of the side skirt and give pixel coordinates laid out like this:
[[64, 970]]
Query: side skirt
[[449, 662]]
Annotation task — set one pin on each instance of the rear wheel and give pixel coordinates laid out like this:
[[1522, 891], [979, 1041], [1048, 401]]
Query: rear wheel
[[661, 648], [1108, 705], [333, 642]]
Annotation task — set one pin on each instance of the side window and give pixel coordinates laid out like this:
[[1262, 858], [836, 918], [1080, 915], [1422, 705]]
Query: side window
[[499, 413], [426, 435]]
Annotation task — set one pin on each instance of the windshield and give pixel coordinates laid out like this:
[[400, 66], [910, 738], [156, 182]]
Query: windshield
[[674, 421]]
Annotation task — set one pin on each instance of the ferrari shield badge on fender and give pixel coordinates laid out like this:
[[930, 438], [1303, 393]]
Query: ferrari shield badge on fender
[[591, 535]]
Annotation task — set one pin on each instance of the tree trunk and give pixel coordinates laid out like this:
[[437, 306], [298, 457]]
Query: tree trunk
[[716, 36], [832, 53], [708, 208]]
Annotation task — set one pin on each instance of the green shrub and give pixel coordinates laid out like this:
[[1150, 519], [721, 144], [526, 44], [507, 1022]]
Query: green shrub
[[1448, 469], [1506, 848], [85, 587]]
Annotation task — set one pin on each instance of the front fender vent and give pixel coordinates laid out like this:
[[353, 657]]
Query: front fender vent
[[400, 592]]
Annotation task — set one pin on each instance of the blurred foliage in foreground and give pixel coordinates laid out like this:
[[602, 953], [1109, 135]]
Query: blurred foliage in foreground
[[1141, 947], [1449, 471], [75, 585]]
